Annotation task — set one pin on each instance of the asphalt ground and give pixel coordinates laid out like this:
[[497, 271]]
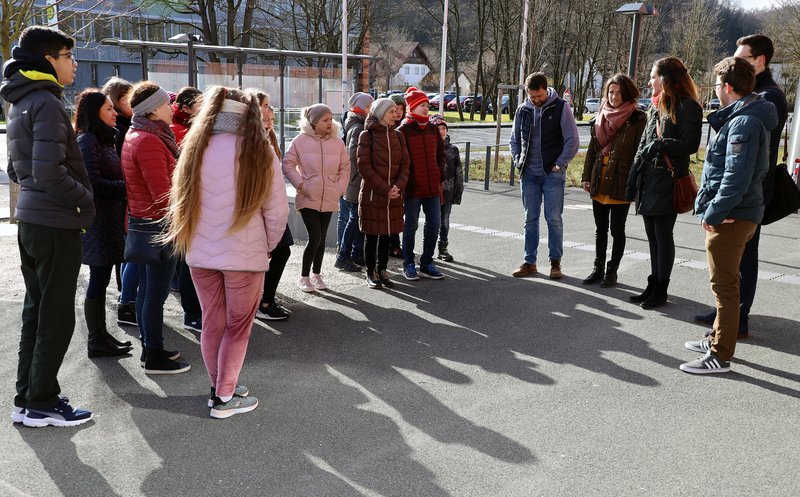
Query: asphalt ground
[[477, 385]]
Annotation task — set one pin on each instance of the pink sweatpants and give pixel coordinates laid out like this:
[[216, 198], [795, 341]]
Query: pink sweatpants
[[229, 300]]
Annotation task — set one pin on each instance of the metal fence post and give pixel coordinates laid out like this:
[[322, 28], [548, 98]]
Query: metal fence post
[[466, 165], [486, 174]]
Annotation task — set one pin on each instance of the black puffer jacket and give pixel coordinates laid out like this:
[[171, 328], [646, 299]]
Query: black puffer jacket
[[43, 155], [104, 242], [453, 176], [353, 126], [650, 182]]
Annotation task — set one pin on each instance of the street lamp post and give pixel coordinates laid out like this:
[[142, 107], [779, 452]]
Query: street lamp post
[[637, 10]]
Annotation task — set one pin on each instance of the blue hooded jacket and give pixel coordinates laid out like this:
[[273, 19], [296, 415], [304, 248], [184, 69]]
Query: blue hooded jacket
[[736, 162]]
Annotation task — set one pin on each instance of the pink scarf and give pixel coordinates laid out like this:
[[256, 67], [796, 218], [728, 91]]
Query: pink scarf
[[609, 121]]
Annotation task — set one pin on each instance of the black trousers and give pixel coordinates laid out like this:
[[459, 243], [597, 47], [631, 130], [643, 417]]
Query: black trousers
[[618, 215], [662, 244], [280, 256], [748, 269], [317, 226], [50, 260], [376, 247]]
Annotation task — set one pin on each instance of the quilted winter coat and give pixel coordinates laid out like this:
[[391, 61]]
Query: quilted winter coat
[[104, 241], [383, 162], [212, 246], [147, 165], [321, 165], [426, 152]]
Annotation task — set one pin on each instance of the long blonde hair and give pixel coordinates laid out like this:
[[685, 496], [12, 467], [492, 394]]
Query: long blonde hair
[[254, 171]]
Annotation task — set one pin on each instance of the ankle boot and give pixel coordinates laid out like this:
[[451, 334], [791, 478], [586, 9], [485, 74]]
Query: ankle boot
[[651, 282], [99, 345], [658, 297], [100, 310], [373, 280], [597, 273], [610, 278], [443, 253]]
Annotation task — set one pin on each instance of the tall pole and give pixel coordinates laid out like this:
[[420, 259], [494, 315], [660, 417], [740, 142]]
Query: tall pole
[[344, 56], [633, 57], [443, 67], [523, 50]]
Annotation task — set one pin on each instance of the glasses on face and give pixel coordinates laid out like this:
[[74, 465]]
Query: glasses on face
[[67, 55]]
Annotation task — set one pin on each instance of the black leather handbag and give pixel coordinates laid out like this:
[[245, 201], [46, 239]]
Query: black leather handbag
[[142, 244]]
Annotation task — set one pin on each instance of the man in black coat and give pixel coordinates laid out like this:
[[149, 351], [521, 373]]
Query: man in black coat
[[55, 205], [758, 50]]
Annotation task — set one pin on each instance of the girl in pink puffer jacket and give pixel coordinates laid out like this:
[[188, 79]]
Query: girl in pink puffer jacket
[[318, 165], [228, 210]]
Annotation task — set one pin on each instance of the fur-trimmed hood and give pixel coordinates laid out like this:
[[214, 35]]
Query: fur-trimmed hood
[[305, 127]]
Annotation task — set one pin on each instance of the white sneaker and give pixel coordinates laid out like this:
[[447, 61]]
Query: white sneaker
[[316, 280], [305, 284]]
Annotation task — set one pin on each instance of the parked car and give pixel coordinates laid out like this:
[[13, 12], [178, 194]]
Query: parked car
[[713, 104], [644, 103], [433, 104], [453, 105], [468, 103], [504, 103], [591, 105]]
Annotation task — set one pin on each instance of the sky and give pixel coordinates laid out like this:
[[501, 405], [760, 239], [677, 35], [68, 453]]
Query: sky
[[752, 4]]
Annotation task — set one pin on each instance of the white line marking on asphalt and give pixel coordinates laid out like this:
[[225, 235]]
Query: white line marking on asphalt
[[790, 279]]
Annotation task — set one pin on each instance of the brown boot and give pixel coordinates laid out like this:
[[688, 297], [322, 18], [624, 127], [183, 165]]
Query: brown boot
[[524, 270], [555, 269]]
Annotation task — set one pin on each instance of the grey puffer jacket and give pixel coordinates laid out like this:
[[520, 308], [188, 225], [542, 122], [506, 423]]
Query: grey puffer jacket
[[353, 126], [43, 154]]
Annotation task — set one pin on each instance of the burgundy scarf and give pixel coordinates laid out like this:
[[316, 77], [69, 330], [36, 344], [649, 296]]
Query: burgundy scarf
[[158, 128], [422, 121], [609, 121]]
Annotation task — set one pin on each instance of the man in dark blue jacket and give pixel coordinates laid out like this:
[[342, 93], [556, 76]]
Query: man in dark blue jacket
[[730, 203], [55, 204], [757, 50], [544, 139]]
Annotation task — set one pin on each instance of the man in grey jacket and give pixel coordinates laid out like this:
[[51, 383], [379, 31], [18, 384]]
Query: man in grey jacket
[[55, 204], [730, 203], [544, 139]]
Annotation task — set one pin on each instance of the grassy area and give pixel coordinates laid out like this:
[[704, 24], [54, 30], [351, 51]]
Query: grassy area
[[451, 116]]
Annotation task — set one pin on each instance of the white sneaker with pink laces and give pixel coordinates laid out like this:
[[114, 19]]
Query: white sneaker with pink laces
[[316, 280], [305, 284]]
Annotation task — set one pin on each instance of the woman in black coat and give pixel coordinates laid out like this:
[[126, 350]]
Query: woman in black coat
[[104, 241], [672, 134]]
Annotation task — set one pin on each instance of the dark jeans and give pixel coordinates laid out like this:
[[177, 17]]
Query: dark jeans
[[99, 278], [154, 281], [444, 230], [351, 243], [50, 261], [429, 205], [317, 226], [130, 282], [280, 256], [189, 301], [662, 245], [376, 246], [748, 269], [618, 214]]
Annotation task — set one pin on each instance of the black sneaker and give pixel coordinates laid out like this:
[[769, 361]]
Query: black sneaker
[[158, 362], [193, 324], [126, 313], [707, 364], [346, 265], [171, 355], [273, 312], [707, 318], [62, 414]]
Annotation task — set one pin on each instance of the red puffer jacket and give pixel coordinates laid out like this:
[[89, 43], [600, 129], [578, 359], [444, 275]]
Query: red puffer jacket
[[426, 151], [147, 165]]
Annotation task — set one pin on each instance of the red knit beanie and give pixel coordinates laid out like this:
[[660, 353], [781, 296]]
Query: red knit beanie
[[414, 97]]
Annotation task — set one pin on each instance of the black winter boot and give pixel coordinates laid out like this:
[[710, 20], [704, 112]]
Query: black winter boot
[[99, 344], [157, 361], [610, 278], [651, 282], [597, 273], [443, 253], [658, 297]]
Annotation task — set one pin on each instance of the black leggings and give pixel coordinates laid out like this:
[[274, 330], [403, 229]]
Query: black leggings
[[317, 226], [618, 213], [376, 245], [662, 245], [280, 256], [99, 278]]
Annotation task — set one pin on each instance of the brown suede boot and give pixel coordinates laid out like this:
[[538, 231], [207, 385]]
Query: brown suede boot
[[555, 269]]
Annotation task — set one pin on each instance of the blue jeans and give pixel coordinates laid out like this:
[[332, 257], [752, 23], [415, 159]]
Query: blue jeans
[[351, 243], [154, 281], [431, 207], [130, 282], [341, 221], [551, 187]]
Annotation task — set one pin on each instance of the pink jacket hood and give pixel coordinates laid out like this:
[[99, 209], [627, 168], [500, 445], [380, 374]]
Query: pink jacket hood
[[212, 246]]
